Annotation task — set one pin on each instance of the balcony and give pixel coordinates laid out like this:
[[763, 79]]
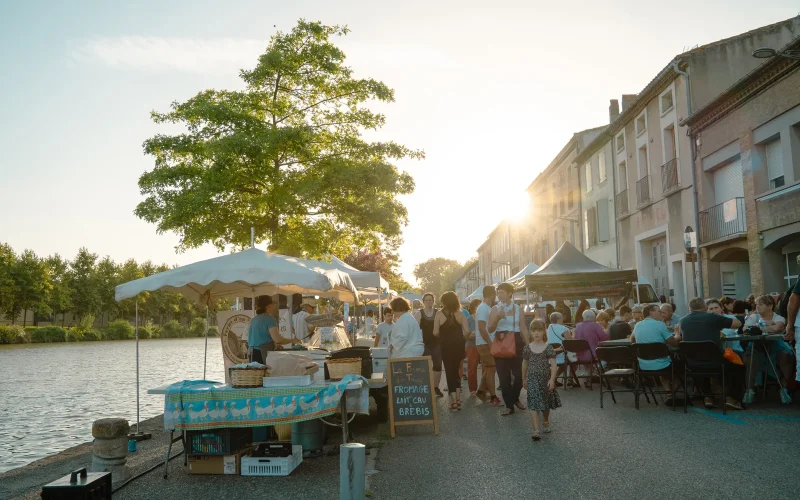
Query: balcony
[[669, 175], [643, 191], [723, 220], [622, 202]]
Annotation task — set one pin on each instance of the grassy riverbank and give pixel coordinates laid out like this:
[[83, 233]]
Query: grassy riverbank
[[116, 330]]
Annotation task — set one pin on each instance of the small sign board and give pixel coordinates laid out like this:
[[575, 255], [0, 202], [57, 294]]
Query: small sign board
[[411, 397]]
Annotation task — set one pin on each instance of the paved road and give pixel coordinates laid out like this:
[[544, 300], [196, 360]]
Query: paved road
[[616, 452]]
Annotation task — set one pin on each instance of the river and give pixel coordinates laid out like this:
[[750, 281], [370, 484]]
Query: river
[[51, 393]]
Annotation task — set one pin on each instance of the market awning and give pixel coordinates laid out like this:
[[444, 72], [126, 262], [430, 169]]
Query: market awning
[[362, 279], [569, 274]]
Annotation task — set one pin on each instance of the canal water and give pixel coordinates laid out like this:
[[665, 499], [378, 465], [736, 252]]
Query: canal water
[[51, 393]]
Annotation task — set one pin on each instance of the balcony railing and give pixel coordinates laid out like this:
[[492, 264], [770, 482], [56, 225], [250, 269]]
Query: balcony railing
[[669, 175], [643, 190], [622, 202], [725, 219]]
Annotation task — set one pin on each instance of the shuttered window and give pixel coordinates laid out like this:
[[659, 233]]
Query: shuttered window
[[775, 164], [588, 169], [728, 182], [603, 233]]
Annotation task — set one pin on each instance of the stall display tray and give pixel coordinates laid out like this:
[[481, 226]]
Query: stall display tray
[[272, 466], [289, 381]]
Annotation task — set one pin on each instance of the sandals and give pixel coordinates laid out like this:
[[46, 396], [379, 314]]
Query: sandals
[[519, 405], [458, 405], [536, 436], [734, 405], [454, 407], [546, 427], [709, 403], [507, 412]]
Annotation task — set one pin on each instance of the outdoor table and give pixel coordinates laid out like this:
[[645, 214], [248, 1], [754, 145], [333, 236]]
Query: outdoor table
[[762, 341], [615, 343], [200, 405]]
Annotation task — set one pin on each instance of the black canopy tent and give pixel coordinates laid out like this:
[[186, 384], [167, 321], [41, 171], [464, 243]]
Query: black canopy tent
[[569, 274]]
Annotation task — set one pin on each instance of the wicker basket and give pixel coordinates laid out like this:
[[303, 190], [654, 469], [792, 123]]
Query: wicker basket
[[247, 377], [338, 368]]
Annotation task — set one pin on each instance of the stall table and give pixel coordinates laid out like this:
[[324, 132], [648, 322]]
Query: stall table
[[201, 405]]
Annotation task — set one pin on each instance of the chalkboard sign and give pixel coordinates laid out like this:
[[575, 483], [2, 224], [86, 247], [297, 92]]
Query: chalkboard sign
[[411, 397]]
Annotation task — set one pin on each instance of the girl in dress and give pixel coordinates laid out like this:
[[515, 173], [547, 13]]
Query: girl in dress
[[539, 365]]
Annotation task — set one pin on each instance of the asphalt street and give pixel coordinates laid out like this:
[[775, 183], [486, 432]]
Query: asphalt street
[[614, 453]]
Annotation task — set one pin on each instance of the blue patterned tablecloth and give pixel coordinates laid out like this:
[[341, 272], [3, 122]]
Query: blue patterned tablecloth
[[203, 404]]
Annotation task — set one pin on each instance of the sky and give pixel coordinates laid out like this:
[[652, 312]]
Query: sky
[[491, 91]]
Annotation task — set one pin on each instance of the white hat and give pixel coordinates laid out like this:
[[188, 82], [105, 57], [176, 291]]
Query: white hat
[[309, 301]]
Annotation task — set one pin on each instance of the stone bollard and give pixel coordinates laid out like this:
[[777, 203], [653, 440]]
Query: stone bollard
[[111, 447]]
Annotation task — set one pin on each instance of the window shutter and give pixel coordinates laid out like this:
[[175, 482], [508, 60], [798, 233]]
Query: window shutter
[[774, 160], [602, 220], [592, 226], [728, 182]]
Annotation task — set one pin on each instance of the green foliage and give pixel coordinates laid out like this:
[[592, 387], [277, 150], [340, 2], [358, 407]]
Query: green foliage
[[8, 287], [89, 335], [107, 277], [284, 155], [143, 332], [60, 299], [437, 275], [156, 332], [12, 334], [383, 262], [198, 327], [213, 331], [49, 334], [173, 330], [84, 284], [32, 284], [118, 330], [74, 335], [86, 323]]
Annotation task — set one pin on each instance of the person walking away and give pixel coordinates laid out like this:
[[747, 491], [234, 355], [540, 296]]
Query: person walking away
[[263, 334], [406, 337], [450, 327], [425, 317], [622, 328], [780, 352], [472, 350], [385, 328], [483, 340], [540, 367], [701, 325], [505, 320], [556, 333]]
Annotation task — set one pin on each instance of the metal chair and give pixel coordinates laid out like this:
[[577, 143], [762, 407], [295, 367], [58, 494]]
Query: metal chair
[[578, 346], [618, 355], [652, 352], [709, 356]]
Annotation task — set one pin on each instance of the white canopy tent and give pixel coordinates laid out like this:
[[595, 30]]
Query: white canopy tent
[[369, 283], [250, 272]]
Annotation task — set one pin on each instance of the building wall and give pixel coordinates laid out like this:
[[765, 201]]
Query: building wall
[[599, 250]]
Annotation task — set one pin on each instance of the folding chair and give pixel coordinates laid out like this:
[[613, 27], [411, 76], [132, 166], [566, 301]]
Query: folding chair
[[709, 354], [618, 355], [578, 346], [651, 352]]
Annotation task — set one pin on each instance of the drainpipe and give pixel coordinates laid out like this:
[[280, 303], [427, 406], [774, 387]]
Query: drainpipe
[[694, 177], [614, 196], [580, 208]]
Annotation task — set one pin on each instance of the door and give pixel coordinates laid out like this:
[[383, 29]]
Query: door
[[660, 273], [729, 283]]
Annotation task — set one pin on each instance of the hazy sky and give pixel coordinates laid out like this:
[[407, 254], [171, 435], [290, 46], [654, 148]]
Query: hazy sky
[[490, 90]]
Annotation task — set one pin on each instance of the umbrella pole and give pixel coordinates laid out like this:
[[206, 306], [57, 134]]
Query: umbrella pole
[[205, 351], [137, 366], [380, 303]]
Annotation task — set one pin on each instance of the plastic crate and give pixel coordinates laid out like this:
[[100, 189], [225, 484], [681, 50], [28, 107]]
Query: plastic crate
[[218, 442], [272, 466], [289, 381]]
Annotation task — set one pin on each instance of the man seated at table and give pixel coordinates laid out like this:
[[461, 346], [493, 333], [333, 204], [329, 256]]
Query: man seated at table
[[701, 325], [622, 328], [668, 315], [652, 330]]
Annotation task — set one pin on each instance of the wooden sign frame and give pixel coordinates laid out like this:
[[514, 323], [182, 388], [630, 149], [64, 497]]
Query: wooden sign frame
[[392, 423]]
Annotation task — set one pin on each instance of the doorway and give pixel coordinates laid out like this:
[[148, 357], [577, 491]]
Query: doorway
[[660, 271]]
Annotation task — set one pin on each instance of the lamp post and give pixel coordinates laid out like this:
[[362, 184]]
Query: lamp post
[[766, 53], [690, 242]]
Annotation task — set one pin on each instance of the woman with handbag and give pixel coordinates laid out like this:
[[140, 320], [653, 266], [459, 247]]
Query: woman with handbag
[[511, 335]]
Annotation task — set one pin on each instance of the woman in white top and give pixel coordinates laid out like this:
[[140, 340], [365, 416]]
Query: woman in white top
[[780, 352], [406, 341], [506, 319]]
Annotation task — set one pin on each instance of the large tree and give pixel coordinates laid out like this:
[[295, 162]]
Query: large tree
[[83, 282], [32, 278], [437, 275], [285, 156], [60, 300], [8, 286], [107, 275]]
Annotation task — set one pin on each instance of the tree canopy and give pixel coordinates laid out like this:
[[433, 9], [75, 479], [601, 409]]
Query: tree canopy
[[285, 156], [437, 275], [382, 262]]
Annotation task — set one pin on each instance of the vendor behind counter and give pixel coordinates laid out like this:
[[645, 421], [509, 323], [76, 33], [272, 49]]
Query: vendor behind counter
[[263, 334]]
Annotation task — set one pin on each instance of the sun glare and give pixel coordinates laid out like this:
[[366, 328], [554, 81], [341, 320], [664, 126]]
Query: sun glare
[[519, 206]]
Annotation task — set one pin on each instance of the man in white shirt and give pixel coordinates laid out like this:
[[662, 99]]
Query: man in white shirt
[[301, 328], [486, 389], [385, 329]]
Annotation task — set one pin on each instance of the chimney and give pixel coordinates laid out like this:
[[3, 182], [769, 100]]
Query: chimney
[[613, 111], [627, 100]]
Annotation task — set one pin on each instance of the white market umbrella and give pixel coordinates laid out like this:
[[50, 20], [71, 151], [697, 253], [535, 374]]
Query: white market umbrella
[[365, 281], [247, 273]]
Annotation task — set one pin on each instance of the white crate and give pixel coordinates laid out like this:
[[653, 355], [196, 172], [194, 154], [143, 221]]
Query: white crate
[[288, 381], [272, 466]]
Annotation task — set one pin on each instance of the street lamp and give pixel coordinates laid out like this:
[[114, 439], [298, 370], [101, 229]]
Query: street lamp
[[690, 242], [766, 53]]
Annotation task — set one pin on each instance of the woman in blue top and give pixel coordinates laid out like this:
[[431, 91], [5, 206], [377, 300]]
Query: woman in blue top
[[263, 334]]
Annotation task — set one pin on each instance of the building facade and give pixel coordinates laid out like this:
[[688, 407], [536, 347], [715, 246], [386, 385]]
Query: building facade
[[504, 253], [747, 170], [652, 161], [469, 280]]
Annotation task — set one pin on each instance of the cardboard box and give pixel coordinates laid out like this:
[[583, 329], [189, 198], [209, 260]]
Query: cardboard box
[[219, 464]]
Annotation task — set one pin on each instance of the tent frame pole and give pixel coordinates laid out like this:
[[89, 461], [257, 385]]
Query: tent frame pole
[[205, 351], [136, 329]]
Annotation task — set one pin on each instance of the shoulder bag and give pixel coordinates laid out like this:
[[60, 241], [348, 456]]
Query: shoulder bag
[[504, 345]]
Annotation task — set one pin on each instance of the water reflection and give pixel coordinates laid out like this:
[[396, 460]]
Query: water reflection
[[51, 393]]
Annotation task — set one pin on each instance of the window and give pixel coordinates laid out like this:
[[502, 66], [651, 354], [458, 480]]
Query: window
[[603, 220], [620, 142], [555, 200], [643, 169], [588, 173], [775, 164], [641, 124], [601, 167], [623, 177], [590, 227], [666, 101]]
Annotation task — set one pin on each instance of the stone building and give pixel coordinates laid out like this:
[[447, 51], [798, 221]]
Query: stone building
[[747, 170]]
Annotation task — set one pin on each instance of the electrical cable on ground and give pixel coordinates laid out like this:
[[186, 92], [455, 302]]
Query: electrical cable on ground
[[137, 476]]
